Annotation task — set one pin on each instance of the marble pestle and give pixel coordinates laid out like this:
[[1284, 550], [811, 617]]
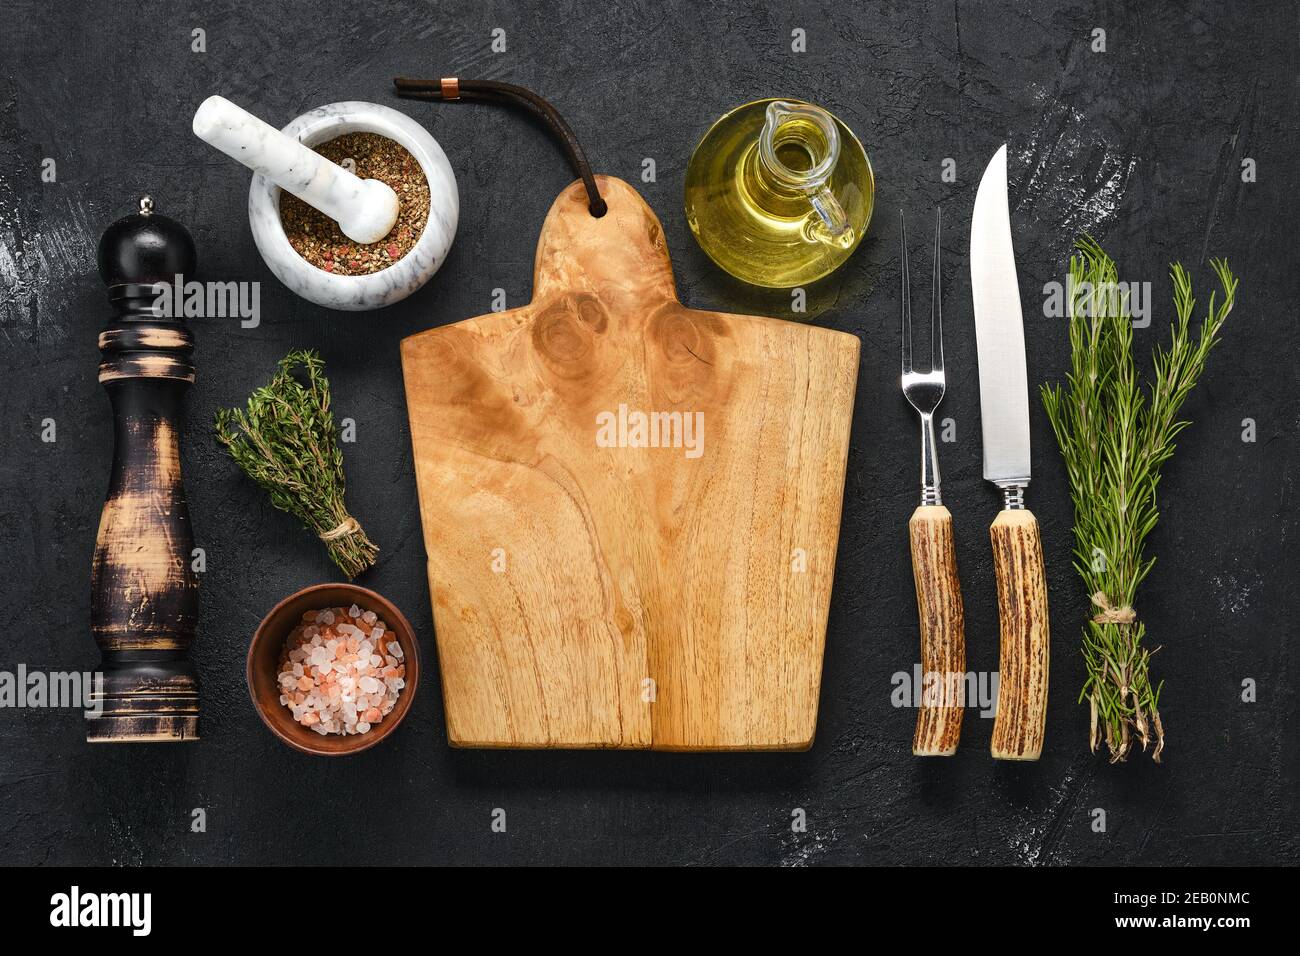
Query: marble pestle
[[365, 209]]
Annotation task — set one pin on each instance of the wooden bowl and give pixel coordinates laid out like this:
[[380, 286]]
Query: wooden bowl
[[264, 659]]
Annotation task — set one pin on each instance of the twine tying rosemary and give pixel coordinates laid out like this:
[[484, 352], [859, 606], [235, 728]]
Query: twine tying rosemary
[[1109, 614]]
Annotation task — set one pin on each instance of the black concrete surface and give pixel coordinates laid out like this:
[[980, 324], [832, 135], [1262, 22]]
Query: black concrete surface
[[1142, 145]]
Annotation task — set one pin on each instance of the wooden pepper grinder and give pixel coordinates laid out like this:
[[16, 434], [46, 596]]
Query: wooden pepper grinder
[[145, 594]]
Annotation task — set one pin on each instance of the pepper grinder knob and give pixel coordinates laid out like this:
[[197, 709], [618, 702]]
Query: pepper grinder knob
[[145, 247], [144, 590]]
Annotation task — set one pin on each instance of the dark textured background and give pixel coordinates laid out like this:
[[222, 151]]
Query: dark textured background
[[1142, 145]]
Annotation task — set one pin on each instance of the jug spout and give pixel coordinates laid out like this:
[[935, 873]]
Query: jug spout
[[798, 149]]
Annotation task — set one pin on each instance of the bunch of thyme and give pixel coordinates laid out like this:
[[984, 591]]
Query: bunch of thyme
[[285, 441], [1115, 436]]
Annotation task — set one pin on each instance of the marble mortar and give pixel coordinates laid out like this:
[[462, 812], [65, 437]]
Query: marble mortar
[[374, 291]]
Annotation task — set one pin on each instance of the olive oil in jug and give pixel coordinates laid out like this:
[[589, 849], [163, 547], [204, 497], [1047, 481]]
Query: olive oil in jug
[[779, 193]]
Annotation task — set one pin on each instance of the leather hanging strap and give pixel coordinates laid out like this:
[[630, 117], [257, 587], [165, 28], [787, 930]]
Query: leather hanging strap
[[450, 88]]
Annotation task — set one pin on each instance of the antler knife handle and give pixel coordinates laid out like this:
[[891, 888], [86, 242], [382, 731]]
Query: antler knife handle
[[144, 592], [1022, 613], [943, 632]]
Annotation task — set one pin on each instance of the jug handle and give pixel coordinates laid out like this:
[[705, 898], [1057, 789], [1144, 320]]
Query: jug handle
[[830, 211]]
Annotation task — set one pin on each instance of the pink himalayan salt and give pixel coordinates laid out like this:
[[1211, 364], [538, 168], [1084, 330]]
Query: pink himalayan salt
[[340, 673]]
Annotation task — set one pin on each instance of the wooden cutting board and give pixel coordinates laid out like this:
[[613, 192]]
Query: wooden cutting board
[[589, 590]]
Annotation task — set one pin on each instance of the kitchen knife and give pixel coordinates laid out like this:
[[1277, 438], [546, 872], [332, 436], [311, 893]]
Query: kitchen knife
[[1004, 419]]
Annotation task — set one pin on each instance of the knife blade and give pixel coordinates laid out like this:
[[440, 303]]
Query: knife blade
[[999, 332], [1021, 716]]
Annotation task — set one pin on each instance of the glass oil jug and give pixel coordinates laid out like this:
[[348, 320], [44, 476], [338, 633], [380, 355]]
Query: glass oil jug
[[779, 193]]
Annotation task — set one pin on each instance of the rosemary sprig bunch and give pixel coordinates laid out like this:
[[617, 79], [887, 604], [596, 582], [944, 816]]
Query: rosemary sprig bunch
[[1115, 436], [285, 441]]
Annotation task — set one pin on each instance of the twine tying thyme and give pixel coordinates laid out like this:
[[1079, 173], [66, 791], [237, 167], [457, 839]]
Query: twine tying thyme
[[285, 441], [348, 525]]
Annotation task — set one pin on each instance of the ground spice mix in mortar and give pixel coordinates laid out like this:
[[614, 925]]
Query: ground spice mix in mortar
[[317, 238]]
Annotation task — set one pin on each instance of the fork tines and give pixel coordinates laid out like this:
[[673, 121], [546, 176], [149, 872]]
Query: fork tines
[[936, 300]]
